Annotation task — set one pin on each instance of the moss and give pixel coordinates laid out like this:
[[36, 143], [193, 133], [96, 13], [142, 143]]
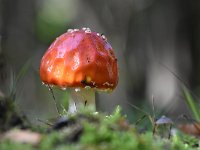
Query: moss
[[98, 131], [9, 145]]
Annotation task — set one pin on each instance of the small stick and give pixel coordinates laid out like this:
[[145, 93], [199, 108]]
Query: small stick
[[139, 109], [153, 107]]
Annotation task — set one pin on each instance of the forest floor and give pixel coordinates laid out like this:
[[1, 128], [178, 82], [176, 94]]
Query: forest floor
[[87, 130]]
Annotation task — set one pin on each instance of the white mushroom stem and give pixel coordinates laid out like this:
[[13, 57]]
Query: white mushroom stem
[[81, 97]]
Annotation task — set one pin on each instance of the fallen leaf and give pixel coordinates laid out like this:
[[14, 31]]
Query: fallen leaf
[[23, 136], [190, 128]]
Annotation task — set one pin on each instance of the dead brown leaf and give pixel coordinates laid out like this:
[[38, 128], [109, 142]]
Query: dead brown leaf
[[191, 128]]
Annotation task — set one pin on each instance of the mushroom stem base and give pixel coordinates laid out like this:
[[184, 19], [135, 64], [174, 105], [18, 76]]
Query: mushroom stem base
[[81, 98]]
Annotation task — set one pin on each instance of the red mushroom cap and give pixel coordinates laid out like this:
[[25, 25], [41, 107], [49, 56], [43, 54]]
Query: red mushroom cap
[[80, 58]]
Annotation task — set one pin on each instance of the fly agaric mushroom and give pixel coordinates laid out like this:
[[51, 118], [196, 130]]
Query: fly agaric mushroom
[[83, 62]]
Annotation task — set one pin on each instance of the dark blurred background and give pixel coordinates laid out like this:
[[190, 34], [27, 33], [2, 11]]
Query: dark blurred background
[[151, 38]]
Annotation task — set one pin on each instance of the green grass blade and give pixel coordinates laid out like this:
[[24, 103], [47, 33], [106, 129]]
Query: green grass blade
[[16, 79], [23, 70], [193, 106]]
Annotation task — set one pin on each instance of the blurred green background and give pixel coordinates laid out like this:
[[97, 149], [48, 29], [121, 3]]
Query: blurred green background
[[150, 38]]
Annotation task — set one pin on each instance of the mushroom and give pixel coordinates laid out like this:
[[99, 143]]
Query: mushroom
[[83, 62]]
